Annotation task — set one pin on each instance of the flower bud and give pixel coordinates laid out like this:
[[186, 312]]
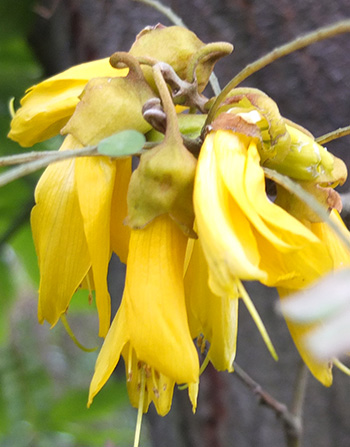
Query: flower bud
[[175, 46], [163, 183], [309, 161], [253, 109]]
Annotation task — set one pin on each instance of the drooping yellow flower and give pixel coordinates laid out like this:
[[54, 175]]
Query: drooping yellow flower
[[77, 221], [340, 255], [243, 233], [151, 326], [81, 203], [47, 106]]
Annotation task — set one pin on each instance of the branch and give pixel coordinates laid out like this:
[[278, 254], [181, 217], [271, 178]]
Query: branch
[[291, 419], [39, 160], [297, 44], [341, 132]]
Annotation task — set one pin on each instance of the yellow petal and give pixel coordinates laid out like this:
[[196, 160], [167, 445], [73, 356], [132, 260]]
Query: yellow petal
[[288, 232], [213, 316], [193, 389], [152, 316], [337, 249], [232, 154], [58, 233], [321, 370], [47, 106], [94, 178], [155, 301], [109, 355], [159, 388], [120, 232], [225, 232], [296, 269]]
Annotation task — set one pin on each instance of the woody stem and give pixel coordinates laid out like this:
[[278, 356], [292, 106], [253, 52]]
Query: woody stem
[[297, 44]]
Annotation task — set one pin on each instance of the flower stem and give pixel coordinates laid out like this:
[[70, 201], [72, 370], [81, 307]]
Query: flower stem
[[167, 12], [256, 317], [293, 433], [343, 368], [297, 44], [172, 127], [341, 132], [73, 337]]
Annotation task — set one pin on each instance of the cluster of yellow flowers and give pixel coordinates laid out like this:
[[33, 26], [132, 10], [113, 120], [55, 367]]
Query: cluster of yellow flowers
[[191, 221]]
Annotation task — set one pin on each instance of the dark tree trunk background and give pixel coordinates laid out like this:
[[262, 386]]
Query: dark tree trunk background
[[311, 88]]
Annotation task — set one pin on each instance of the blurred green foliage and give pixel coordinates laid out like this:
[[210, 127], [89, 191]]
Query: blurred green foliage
[[44, 377]]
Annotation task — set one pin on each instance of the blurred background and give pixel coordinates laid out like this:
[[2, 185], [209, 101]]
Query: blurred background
[[44, 377]]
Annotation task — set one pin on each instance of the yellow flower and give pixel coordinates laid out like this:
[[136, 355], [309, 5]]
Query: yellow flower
[[340, 255], [151, 327], [214, 317], [47, 106], [77, 221], [245, 235], [81, 204]]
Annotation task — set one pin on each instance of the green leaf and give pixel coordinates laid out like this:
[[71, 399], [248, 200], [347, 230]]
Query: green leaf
[[122, 144]]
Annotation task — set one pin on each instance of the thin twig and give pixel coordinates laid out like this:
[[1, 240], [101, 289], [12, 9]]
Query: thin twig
[[32, 166], [167, 12], [297, 44], [10, 160], [341, 132], [177, 20], [265, 398], [294, 436]]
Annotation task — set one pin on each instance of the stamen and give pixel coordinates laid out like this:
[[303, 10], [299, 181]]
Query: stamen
[[129, 374], [154, 381], [90, 297], [201, 371], [140, 408], [12, 107], [73, 337], [204, 364], [341, 366], [256, 317], [201, 343]]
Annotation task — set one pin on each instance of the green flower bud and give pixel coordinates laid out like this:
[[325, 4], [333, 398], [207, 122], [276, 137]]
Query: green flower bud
[[163, 183], [177, 46], [255, 109], [309, 161]]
